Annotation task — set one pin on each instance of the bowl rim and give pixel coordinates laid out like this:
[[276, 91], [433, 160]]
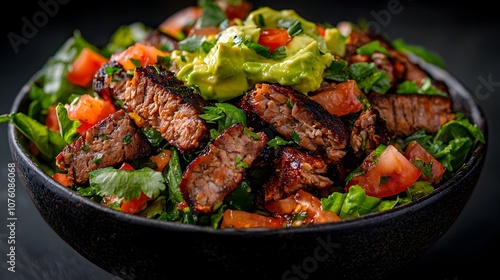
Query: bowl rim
[[476, 157]]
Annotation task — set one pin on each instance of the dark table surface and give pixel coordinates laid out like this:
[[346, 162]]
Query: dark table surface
[[466, 37]]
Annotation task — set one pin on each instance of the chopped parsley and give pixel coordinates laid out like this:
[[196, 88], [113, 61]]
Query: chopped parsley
[[240, 163], [295, 137], [278, 141], [97, 159], [293, 27], [126, 140]]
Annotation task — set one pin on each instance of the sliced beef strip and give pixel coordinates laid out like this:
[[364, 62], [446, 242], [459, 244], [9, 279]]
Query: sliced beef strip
[[220, 168], [110, 80], [290, 112], [368, 132], [409, 113], [294, 170], [110, 142], [168, 106]]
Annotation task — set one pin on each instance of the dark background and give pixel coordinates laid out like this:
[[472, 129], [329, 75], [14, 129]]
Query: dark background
[[466, 37]]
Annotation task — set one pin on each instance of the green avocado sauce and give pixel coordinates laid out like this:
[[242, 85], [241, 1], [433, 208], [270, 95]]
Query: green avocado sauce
[[233, 65]]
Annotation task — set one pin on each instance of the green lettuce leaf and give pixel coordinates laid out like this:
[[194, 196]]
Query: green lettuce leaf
[[48, 142], [67, 126], [127, 184], [355, 203], [430, 57]]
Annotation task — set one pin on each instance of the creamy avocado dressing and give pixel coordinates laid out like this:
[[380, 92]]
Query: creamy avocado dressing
[[230, 67]]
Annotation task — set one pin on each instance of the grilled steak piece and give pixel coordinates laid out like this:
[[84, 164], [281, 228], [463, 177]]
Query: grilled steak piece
[[294, 114], [110, 80], [407, 114], [295, 170], [368, 132], [167, 106], [220, 168], [110, 142]]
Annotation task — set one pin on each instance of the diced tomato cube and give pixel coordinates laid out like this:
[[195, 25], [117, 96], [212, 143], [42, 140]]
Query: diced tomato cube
[[341, 99], [85, 66], [414, 152], [390, 174]]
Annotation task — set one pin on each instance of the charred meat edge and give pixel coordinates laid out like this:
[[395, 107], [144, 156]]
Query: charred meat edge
[[110, 142], [290, 112], [294, 170], [168, 106], [110, 80], [220, 168], [407, 114], [368, 132]]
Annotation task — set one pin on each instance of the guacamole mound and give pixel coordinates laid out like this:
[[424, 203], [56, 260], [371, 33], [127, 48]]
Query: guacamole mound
[[236, 62]]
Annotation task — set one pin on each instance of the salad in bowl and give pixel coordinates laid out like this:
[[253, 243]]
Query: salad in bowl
[[226, 116]]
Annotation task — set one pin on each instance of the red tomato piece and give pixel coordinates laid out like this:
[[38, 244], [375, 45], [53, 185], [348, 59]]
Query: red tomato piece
[[176, 24], [83, 127], [415, 152], [51, 119], [300, 201], [126, 166], [84, 67], [243, 219], [62, 179], [161, 159], [340, 99], [274, 38], [135, 205], [143, 54], [233, 11], [321, 30], [282, 206], [391, 174], [315, 213], [89, 110]]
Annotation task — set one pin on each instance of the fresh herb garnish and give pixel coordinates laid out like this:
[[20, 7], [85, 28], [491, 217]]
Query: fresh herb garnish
[[293, 27], [365, 74], [126, 140], [370, 48], [430, 57], [427, 88], [240, 163], [295, 137], [278, 141]]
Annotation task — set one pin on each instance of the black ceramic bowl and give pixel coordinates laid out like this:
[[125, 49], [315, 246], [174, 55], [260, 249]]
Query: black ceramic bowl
[[368, 247]]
